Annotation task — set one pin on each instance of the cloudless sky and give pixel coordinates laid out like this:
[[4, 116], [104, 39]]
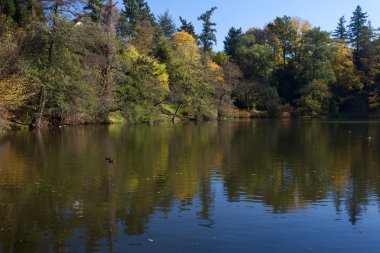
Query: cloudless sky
[[258, 13]]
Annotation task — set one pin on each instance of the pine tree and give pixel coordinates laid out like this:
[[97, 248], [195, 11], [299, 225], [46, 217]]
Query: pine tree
[[208, 37], [135, 11], [187, 27], [144, 12], [340, 32], [95, 8], [8, 7], [232, 40], [166, 22], [20, 10], [358, 34]]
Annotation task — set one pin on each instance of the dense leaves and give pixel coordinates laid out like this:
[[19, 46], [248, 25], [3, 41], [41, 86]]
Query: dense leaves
[[84, 61]]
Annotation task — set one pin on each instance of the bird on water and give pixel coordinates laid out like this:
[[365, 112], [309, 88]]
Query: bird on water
[[110, 160]]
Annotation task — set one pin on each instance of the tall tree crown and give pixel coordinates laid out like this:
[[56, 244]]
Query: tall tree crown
[[166, 22], [187, 27], [232, 40], [207, 37], [94, 7], [340, 32]]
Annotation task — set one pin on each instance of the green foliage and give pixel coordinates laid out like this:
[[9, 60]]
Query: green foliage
[[357, 32], [59, 72], [208, 36], [232, 41], [253, 95], [166, 22], [256, 61], [64, 87], [142, 87], [314, 98], [95, 8], [286, 34], [135, 11], [317, 57], [219, 58], [190, 83], [8, 7], [340, 32], [187, 27]]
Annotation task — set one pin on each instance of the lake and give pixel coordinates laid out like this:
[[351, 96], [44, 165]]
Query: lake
[[239, 186]]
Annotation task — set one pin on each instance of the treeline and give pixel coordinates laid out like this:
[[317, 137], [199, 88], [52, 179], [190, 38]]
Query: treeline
[[86, 61]]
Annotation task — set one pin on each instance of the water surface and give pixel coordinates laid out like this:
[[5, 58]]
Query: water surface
[[248, 186]]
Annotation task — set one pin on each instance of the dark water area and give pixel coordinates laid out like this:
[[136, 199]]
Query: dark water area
[[247, 186]]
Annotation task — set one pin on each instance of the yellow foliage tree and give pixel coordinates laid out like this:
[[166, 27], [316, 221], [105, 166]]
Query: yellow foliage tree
[[344, 68], [13, 94], [185, 47]]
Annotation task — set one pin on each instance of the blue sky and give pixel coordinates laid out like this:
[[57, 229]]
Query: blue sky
[[257, 13]]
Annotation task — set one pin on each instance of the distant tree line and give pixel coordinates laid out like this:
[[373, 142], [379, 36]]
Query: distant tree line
[[86, 61]]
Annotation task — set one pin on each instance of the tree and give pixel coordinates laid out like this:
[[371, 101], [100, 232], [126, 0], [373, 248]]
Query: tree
[[135, 11], [232, 77], [219, 58], [187, 27], [14, 93], [347, 84], [95, 8], [340, 32], [232, 41], [8, 7], [63, 8], [144, 40], [144, 12], [316, 74], [187, 84], [142, 87], [208, 36], [26, 10], [14, 89], [256, 61], [284, 31], [316, 57], [314, 98], [357, 33], [56, 73], [166, 22]]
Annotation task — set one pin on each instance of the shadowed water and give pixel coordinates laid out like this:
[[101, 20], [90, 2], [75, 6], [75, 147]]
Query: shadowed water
[[248, 186]]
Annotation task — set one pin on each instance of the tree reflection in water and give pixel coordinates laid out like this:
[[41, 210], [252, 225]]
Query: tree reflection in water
[[57, 193]]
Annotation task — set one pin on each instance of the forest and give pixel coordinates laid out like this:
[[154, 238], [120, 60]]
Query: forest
[[69, 62]]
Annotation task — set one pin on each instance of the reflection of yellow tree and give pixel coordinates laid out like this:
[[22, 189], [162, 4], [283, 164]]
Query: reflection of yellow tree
[[63, 182], [14, 170]]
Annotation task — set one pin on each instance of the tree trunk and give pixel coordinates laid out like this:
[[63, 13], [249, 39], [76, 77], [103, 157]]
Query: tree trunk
[[110, 19], [106, 97], [176, 111], [37, 121]]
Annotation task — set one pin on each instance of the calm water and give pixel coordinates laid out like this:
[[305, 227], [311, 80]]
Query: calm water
[[255, 186]]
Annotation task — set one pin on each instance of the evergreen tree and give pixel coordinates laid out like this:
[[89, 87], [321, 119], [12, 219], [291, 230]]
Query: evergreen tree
[[20, 10], [340, 32], [187, 27], [208, 37], [8, 7], [232, 40], [23, 8], [166, 22], [357, 32], [95, 8], [144, 12], [135, 11]]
